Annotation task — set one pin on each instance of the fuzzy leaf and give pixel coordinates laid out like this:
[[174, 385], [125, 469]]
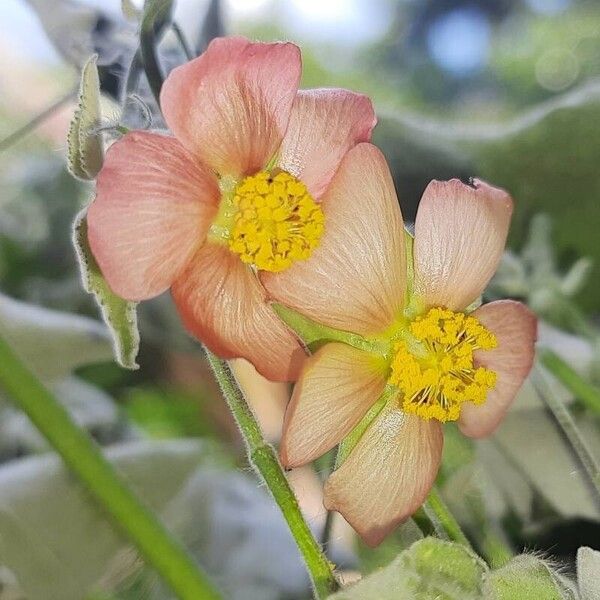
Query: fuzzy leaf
[[130, 11], [54, 539], [431, 569], [119, 314], [588, 573], [524, 577], [52, 343], [85, 151]]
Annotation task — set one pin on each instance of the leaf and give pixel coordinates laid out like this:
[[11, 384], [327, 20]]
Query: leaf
[[531, 441], [538, 155], [588, 573], [119, 314], [90, 407], [431, 569], [54, 539], [52, 343], [130, 10], [85, 151], [525, 576]]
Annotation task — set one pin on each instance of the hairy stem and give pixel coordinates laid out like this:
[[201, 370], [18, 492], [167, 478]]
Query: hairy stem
[[85, 460], [263, 458], [443, 521]]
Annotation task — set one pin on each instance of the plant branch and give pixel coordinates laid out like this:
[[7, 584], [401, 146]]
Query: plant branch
[[263, 458], [85, 460]]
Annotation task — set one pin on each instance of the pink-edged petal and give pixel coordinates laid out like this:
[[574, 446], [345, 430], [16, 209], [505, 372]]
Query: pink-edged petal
[[337, 387], [387, 475], [355, 280], [154, 204], [460, 233], [515, 328], [222, 303], [231, 105], [324, 125]]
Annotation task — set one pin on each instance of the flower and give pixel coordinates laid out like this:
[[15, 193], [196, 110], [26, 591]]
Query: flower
[[234, 191], [420, 357]]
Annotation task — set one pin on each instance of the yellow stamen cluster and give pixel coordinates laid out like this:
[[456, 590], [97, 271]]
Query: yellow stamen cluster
[[435, 370], [277, 221]]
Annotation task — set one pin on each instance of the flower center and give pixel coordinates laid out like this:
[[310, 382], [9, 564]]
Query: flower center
[[435, 369], [276, 221]]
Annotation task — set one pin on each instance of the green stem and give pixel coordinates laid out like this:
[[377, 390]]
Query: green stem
[[18, 135], [84, 458], [581, 389], [263, 458], [156, 13], [442, 519], [567, 425]]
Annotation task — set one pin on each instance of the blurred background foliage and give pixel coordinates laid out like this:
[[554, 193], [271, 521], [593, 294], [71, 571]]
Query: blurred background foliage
[[506, 90]]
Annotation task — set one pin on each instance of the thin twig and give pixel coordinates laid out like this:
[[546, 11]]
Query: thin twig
[[20, 133], [182, 41]]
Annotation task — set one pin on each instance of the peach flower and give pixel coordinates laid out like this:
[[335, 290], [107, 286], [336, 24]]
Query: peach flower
[[235, 190], [408, 353]]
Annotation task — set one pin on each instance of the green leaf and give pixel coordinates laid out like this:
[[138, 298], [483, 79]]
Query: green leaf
[[85, 150], [130, 10], [431, 569], [119, 314], [588, 573], [525, 576], [55, 540], [50, 342]]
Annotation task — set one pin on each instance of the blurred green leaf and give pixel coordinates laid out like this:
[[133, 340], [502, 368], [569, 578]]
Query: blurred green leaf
[[431, 569], [55, 540], [546, 158], [588, 573], [85, 152], [52, 343], [119, 314], [525, 576]]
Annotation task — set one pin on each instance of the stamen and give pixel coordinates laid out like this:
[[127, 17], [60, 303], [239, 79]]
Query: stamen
[[277, 221], [435, 369]]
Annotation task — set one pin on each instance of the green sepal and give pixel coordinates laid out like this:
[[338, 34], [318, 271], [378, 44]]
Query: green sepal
[[119, 314], [430, 569], [525, 576], [314, 335], [85, 149], [349, 442]]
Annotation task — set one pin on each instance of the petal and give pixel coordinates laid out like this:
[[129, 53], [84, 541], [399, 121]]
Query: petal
[[515, 327], [222, 303], [460, 233], [355, 280], [324, 125], [337, 387], [231, 105], [153, 206], [388, 474]]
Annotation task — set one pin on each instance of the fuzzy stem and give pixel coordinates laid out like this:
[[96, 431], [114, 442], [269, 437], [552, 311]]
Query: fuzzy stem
[[79, 452], [263, 458], [567, 425], [443, 521]]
